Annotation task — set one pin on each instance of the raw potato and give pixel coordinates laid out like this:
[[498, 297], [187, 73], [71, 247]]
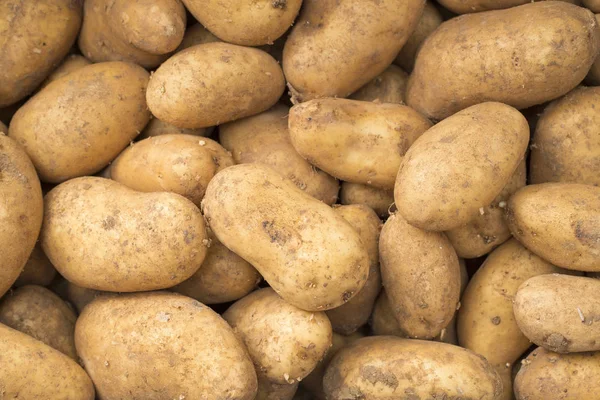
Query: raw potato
[[38, 270], [593, 76], [307, 252], [21, 210], [41, 314], [353, 140], [3, 128], [559, 222], [441, 186], [265, 139], [387, 367], [197, 34], [35, 35], [79, 123], [133, 241], [380, 200], [156, 127], [70, 64], [159, 346], [360, 39], [81, 297], [566, 144], [275, 391], [560, 312], [421, 275], [33, 370], [214, 83], [448, 77], [387, 87], [593, 5]]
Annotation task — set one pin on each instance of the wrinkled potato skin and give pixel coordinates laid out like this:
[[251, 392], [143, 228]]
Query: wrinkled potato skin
[[167, 345], [389, 368], [81, 297], [559, 222], [265, 139], [379, 200], [79, 123], [133, 241], [156, 127], [34, 37], [353, 140], [38, 270], [21, 210], [70, 64], [448, 77], [566, 144], [440, 186], [274, 391], [197, 34], [272, 224], [357, 55], [387, 87]]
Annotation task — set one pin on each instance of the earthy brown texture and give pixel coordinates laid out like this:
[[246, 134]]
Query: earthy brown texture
[[593, 76], [471, 6], [156, 127], [593, 5], [380, 200], [70, 64], [38, 270], [387, 87]]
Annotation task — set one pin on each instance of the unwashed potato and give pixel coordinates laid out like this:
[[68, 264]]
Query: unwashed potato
[[79, 123], [566, 145], [159, 346], [275, 391], [35, 35], [360, 39], [559, 222], [306, 251], [34, 370], [132, 241], [265, 139], [38, 270], [448, 77], [387, 87], [356, 141], [196, 34], [21, 210], [156, 127], [70, 64], [81, 297], [380, 200], [41, 314], [471, 6], [387, 367], [214, 83], [441, 186]]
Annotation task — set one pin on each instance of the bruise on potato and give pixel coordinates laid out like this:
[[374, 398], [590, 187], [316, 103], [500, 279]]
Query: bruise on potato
[[38, 270], [380, 200], [387, 87]]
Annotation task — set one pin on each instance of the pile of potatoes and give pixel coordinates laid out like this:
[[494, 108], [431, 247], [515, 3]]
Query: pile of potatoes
[[299, 199]]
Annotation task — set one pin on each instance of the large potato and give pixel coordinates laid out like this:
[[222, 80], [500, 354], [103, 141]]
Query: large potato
[[35, 35], [70, 64], [360, 40], [452, 74], [38, 270], [559, 222], [156, 127], [213, 83], [159, 346], [265, 139], [387, 87], [307, 252], [102, 235], [453, 171], [79, 123], [380, 200]]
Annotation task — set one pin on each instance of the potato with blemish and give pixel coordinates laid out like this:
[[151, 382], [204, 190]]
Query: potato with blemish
[[38, 270], [70, 64], [387, 87], [156, 127], [380, 200]]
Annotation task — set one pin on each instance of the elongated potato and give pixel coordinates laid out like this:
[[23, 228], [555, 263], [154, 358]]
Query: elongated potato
[[387, 87], [38, 270], [197, 34], [133, 241], [156, 127], [265, 139], [355, 55], [441, 186], [380, 200], [307, 252], [70, 64], [448, 77]]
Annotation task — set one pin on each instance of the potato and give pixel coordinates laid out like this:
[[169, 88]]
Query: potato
[[275, 391], [156, 127], [162, 346], [354, 140], [380, 200], [559, 222], [33, 370], [196, 34], [448, 77], [21, 210], [565, 146], [307, 252], [81, 297], [488, 229], [3, 128], [360, 40], [79, 123], [441, 186], [214, 83], [593, 76], [421, 275], [70, 64], [38, 270], [387, 367], [102, 235], [593, 5], [387, 87], [265, 139], [35, 36]]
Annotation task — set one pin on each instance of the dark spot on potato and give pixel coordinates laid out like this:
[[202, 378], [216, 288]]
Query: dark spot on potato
[[109, 223], [279, 3], [376, 375], [556, 342], [347, 295], [496, 320], [188, 237], [587, 232]]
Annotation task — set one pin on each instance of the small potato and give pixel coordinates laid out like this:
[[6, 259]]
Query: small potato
[[387, 87], [70, 64], [265, 139], [38, 270], [275, 391], [156, 127], [213, 83], [559, 222], [196, 34], [133, 241], [81, 297], [441, 186], [167, 346], [380, 200]]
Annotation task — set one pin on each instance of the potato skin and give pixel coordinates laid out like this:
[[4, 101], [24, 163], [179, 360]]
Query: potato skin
[[3, 128], [287, 235], [38, 270], [213, 83], [448, 77], [81, 297], [274, 391], [440, 186], [357, 55], [133, 241], [79, 123], [380, 200], [387, 87], [70, 64], [196, 34], [156, 127], [592, 5], [169, 346]]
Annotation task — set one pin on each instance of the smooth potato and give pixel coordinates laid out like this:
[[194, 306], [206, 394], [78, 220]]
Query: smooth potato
[[156, 127], [471, 6], [380, 200], [387, 87], [38, 270]]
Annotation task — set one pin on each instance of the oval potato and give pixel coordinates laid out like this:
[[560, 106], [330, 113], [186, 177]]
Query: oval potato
[[387, 87], [380, 200]]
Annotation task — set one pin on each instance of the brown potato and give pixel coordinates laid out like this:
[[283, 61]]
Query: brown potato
[[70, 64], [275, 391], [380, 200], [471, 6], [387, 87], [81, 297], [156, 127], [592, 5], [593, 76], [196, 34], [38, 270]]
